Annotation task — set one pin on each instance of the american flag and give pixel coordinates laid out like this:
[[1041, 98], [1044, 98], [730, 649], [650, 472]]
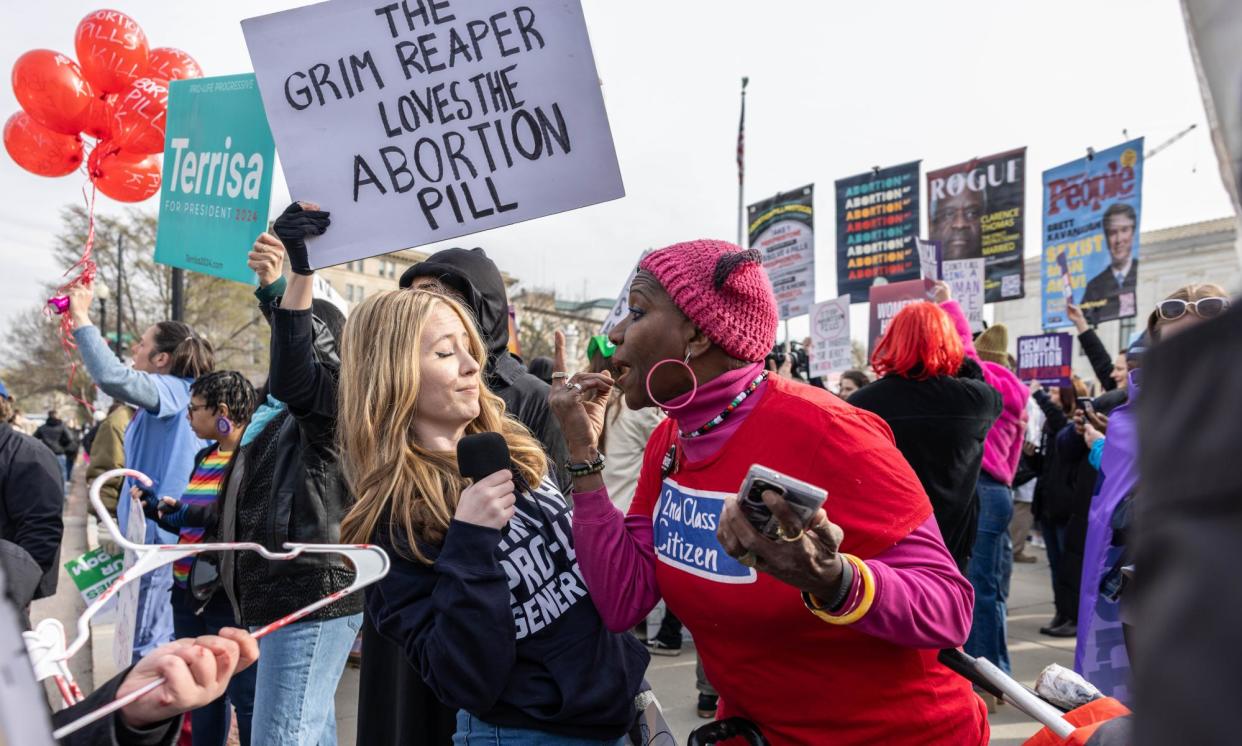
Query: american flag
[[741, 135]]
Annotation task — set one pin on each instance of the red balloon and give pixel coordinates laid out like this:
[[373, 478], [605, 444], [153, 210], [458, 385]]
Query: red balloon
[[125, 177], [50, 87], [171, 63], [38, 149], [112, 50], [141, 114], [99, 116]]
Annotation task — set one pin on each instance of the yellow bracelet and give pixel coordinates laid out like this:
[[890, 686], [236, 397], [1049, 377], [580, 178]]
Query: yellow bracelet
[[868, 596]]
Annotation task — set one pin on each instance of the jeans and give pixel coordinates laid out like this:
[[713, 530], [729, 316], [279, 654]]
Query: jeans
[[474, 732], [63, 460], [211, 723], [989, 572], [1054, 543], [154, 624], [299, 668]]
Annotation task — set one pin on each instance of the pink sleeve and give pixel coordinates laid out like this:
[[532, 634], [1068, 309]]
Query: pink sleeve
[[956, 313], [921, 600], [616, 554]]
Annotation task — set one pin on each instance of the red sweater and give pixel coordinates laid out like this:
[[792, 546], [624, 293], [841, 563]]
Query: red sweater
[[771, 660]]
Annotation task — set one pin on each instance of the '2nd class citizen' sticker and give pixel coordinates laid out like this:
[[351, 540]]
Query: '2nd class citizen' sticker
[[685, 522]]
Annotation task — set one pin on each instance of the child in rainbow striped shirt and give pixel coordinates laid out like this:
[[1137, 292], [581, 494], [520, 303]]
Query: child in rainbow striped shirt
[[221, 404]]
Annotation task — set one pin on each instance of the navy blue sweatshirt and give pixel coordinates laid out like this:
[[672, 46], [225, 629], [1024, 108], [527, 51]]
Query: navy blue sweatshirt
[[501, 625]]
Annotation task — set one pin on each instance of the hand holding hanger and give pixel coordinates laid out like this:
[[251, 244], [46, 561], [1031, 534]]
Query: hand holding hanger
[[370, 564]]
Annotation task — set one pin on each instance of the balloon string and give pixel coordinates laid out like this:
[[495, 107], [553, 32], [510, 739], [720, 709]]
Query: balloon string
[[86, 263]]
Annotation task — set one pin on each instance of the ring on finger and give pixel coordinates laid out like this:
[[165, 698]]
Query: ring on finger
[[780, 534], [559, 374], [574, 385]]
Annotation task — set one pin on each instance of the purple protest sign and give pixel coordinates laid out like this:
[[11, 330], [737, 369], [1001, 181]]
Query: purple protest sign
[[1046, 358]]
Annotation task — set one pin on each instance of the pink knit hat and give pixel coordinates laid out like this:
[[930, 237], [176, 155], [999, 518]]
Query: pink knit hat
[[723, 290]]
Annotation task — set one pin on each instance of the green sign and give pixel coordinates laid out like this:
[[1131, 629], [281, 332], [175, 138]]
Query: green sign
[[218, 160], [94, 571]]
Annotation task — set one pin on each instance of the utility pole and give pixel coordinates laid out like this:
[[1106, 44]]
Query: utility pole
[[741, 162], [178, 294]]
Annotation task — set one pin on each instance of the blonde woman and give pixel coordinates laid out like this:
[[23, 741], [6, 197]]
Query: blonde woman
[[1102, 654], [485, 597]]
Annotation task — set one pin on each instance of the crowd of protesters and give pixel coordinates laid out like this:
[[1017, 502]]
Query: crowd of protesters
[[510, 610]]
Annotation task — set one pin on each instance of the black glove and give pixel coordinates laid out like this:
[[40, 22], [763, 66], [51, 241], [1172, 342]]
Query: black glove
[[293, 227], [150, 504]]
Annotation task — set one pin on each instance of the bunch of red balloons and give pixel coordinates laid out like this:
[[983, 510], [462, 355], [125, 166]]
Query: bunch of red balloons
[[116, 93]]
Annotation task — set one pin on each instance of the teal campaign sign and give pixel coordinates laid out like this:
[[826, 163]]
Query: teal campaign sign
[[218, 153]]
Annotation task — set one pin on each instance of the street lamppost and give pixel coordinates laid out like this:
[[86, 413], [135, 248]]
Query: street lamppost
[[103, 293]]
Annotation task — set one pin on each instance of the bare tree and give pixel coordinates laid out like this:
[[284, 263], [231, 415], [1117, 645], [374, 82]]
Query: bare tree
[[222, 311]]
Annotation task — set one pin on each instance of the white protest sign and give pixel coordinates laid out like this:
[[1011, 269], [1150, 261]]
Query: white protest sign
[[416, 121], [929, 259], [830, 337], [965, 277], [127, 598], [622, 306]]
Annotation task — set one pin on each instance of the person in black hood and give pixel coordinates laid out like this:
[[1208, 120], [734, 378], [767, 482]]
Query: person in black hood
[[474, 279]]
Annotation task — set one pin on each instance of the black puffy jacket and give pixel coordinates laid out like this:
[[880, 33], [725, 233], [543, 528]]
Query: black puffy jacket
[[292, 488]]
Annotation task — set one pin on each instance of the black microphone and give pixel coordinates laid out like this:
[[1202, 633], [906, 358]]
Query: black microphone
[[482, 455]]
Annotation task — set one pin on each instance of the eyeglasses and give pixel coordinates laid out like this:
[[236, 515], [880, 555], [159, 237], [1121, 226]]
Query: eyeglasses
[[1205, 308], [195, 407]]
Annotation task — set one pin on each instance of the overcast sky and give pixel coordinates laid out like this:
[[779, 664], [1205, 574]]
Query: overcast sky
[[835, 88]]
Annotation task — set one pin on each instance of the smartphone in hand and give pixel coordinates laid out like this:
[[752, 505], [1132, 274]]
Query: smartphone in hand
[[805, 499]]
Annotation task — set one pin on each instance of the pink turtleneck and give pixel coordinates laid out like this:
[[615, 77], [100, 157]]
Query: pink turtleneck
[[918, 587]]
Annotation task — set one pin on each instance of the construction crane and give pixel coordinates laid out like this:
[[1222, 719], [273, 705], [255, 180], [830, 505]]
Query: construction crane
[[1169, 142]]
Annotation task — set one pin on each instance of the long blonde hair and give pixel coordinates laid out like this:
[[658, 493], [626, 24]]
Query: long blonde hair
[[402, 487]]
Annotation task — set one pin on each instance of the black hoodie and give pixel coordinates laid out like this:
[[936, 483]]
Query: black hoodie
[[475, 277], [56, 436]]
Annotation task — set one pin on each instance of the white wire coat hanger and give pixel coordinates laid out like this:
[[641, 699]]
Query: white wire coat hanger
[[46, 644]]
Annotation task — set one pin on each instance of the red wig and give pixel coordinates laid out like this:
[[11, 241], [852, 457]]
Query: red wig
[[920, 343]]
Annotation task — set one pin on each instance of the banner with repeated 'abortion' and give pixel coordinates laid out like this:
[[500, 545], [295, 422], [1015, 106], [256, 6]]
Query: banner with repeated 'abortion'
[[877, 227]]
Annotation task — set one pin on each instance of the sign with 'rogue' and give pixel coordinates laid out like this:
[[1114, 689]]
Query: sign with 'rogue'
[[414, 121]]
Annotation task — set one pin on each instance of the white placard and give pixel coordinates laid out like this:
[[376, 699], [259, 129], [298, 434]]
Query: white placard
[[418, 121], [127, 598], [965, 277], [831, 349], [929, 259], [622, 306]]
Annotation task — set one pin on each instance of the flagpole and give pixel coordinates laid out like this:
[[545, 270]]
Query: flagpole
[[741, 160]]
